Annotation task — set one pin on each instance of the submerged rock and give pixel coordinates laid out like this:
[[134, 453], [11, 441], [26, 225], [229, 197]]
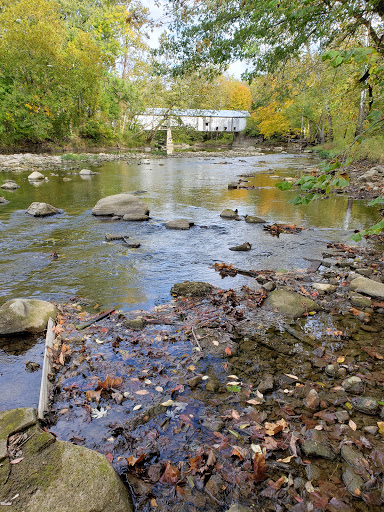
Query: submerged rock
[[25, 315], [124, 205], [191, 289], [354, 385], [87, 172], [59, 476], [180, 224], [290, 304], [42, 210], [368, 287], [365, 404], [353, 482]]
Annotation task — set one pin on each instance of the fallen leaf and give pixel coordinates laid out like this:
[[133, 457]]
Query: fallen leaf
[[142, 392], [259, 467], [109, 457], [252, 401], [274, 428], [159, 389], [215, 342], [137, 407], [110, 382], [93, 395], [153, 502], [238, 451], [192, 368], [341, 359], [171, 475], [167, 403], [235, 414], [291, 376], [132, 460], [352, 425], [287, 459], [16, 461], [228, 351]]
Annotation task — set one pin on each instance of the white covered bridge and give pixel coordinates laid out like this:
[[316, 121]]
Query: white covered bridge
[[232, 121], [200, 120]]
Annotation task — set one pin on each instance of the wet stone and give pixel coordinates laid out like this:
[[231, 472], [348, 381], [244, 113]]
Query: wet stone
[[254, 220], [324, 287], [137, 324], [229, 214], [342, 416], [356, 459], [352, 482], [269, 286], [191, 289], [313, 472], [365, 404], [360, 301], [317, 446], [312, 400], [266, 384], [194, 381], [371, 429], [354, 385]]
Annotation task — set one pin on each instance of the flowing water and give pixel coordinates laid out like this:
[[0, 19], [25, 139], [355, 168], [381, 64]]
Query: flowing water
[[113, 275]]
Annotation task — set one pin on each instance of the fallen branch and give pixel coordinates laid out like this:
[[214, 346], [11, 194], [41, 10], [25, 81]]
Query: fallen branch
[[84, 325]]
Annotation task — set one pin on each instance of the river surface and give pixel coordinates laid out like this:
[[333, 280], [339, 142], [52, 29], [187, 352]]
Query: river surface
[[112, 275]]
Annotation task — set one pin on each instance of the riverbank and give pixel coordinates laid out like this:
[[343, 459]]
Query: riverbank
[[268, 395]]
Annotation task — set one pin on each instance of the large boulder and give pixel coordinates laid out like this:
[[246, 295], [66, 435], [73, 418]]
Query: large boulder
[[42, 209], [25, 315], [181, 224], [54, 475], [368, 287], [36, 176], [124, 205], [290, 304]]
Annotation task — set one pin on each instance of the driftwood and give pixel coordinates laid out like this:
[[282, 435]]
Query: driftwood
[[45, 383], [229, 270], [84, 325]]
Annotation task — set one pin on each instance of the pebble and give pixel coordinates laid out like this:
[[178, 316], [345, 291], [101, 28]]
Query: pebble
[[312, 400], [342, 416], [353, 385], [266, 384], [371, 429]]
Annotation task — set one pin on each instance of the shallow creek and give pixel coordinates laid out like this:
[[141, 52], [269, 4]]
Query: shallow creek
[[112, 275]]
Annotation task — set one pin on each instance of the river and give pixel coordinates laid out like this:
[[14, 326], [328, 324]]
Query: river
[[112, 275]]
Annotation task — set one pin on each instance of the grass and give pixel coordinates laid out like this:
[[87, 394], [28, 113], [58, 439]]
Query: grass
[[370, 149]]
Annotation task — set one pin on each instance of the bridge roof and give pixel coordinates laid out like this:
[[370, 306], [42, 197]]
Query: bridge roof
[[196, 113]]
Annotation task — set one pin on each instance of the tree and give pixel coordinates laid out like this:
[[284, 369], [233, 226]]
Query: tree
[[267, 32]]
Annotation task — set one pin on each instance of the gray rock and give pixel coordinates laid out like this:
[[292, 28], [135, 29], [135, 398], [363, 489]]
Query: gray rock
[[3, 200], [342, 416], [368, 287], [290, 304], [353, 385], [365, 404], [233, 185], [266, 384], [238, 508], [360, 301], [135, 217], [324, 287], [312, 400], [122, 205], [36, 176], [352, 482], [87, 172], [313, 472], [371, 429], [229, 214], [191, 289], [355, 459], [59, 476], [137, 324], [10, 185], [254, 220], [42, 210], [269, 286], [25, 315], [246, 246], [317, 445], [331, 370], [180, 224]]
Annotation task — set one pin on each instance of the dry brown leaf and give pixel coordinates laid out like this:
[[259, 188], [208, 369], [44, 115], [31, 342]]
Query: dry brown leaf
[[171, 475], [274, 428], [142, 392], [259, 467], [110, 382], [93, 395], [238, 451]]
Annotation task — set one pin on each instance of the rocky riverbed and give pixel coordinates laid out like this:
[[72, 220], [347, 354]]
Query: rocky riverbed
[[269, 396]]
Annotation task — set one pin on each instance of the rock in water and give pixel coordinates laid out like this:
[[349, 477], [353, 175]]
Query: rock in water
[[191, 289], [291, 304], [3, 200], [229, 214], [10, 185], [42, 210], [254, 220], [25, 315], [36, 176], [87, 172], [124, 205], [368, 287], [246, 246], [181, 224]]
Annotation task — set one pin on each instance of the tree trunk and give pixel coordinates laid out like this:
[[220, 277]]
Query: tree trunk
[[362, 112], [330, 124]]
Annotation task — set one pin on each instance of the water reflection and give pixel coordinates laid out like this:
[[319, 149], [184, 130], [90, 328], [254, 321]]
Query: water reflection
[[193, 188]]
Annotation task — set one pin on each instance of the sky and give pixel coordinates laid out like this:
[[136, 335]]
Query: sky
[[158, 13]]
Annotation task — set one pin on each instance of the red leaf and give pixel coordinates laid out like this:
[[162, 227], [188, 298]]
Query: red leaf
[[171, 475], [110, 382], [228, 351], [109, 457]]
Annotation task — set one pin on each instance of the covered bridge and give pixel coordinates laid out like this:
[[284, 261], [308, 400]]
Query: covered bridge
[[201, 120]]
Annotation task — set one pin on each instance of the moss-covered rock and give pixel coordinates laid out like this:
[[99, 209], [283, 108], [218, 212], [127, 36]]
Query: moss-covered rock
[[191, 289], [56, 476], [290, 304]]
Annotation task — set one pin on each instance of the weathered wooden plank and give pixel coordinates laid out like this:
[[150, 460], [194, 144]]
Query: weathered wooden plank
[[45, 383]]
